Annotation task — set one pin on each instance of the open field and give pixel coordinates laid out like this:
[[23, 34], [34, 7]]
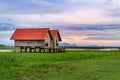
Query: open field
[[71, 65]]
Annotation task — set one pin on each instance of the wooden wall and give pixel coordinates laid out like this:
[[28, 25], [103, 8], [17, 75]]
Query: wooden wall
[[56, 41], [47, 43], [31, 43]]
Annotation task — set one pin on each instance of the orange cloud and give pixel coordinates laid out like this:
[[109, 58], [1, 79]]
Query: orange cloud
[[80, 40]]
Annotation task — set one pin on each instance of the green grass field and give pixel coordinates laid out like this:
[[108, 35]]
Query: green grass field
[[71, 65]]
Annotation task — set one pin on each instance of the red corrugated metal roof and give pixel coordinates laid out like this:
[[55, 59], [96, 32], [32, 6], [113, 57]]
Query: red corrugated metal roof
[[30, 34], [55, 33]]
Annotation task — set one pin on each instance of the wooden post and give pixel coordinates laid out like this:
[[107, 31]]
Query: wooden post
[[58, 49], [49, 50], [25, 49], [30, 49], [39, 49], [44, 49], [54, 50], [14, 49], [20, 49], [35, 49]]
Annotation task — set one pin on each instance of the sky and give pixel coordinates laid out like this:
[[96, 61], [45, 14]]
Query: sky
[[80, 22]]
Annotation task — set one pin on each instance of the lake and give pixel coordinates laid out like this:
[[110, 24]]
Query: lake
[[5, 50]]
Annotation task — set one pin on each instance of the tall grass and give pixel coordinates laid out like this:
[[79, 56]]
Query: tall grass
[[72, 65]]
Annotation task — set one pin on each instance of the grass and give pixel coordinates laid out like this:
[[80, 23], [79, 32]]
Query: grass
[[72, 65]]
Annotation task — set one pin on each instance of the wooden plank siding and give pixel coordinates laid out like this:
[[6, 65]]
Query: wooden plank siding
[[31, 43], [55, 41], [48, 41]]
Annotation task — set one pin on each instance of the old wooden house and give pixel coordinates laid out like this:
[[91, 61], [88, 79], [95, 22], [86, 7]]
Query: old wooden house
[[36, 38], [55, 38]]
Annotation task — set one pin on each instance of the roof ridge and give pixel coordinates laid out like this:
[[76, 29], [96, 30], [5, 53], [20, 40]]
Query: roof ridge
[[32, 28], [54, 30]]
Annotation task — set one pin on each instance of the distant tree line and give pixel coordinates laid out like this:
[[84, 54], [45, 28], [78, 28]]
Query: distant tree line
[[2, 45]]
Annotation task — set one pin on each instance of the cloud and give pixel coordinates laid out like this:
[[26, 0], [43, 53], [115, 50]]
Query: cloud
[[100, 27], [65, 18], [82, 41], [89, 35], [7, 26], [79, 21], [29, 7], [104, 38], [114, 12], [37, 12], [5, 37], [52, 6]]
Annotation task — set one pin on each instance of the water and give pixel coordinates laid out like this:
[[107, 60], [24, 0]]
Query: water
[[5, 50]]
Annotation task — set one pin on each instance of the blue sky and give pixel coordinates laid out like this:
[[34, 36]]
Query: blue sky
[[81, 22]]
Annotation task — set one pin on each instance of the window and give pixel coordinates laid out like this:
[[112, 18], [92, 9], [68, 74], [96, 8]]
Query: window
[[56, 44], [46, 44]]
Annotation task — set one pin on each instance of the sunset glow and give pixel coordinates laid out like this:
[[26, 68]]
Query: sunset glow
[[80, 22]]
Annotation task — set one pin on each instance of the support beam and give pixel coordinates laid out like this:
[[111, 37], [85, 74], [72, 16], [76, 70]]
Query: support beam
[[25, 49], [14, 49], [35, 49], [20, 49], [49, 50], [30, 49], [40, 50]]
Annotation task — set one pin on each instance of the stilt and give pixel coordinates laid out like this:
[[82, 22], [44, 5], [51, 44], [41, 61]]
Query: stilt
[[21, 49], [30, 49], [44, 49], [49, 50], [39, 49], [56, 49], [35, 49], [14, 49], [25, 49], [53, 50]]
